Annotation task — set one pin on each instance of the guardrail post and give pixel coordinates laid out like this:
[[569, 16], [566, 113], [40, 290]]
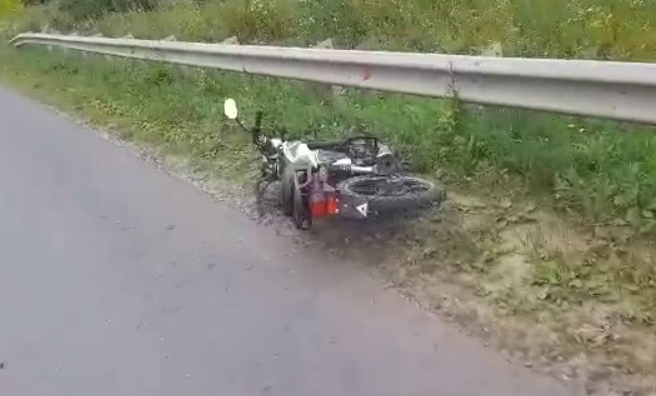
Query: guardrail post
[[494, 50], [107, 57], [231, 41], [368, 44], [46, 30], [181, 68], [332, 91], [129, 36], [82, 54]]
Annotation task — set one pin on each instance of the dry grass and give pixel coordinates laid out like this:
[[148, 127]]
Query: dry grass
[[526, 281]]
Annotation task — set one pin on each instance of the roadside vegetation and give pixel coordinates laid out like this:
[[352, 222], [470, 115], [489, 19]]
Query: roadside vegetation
[[546, 244]]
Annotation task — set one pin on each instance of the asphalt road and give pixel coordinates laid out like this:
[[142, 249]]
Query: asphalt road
[[117, 279]]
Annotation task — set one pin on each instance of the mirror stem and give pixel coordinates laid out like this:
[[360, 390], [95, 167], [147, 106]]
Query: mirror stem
[[241, 125]]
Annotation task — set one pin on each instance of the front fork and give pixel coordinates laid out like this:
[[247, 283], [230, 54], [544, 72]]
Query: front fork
[[267, 175]]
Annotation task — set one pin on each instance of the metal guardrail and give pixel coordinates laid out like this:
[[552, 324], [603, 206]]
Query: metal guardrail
[[615, 90]]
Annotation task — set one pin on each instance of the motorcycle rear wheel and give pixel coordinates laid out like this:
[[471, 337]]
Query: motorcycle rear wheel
[[387, 193]]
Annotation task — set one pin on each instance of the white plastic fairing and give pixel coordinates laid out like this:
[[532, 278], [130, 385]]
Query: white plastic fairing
[[299, 154]]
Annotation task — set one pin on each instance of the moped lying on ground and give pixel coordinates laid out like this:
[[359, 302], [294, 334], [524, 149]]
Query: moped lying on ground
[[351, 177]]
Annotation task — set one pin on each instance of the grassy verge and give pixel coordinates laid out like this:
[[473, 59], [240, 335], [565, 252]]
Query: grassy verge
[[602, 171], [553, 259]]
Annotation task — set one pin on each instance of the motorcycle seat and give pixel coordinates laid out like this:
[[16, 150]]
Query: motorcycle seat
[[325, 144]]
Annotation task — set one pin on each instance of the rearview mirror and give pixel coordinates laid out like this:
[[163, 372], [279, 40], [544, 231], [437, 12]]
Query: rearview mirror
[[230, 108]]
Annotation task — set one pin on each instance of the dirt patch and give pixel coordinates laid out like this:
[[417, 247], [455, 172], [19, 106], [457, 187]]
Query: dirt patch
[[538, 287]]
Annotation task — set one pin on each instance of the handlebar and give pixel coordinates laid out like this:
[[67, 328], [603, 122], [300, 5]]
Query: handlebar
[[263, 144]]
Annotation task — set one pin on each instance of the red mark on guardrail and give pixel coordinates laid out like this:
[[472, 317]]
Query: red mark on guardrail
[[366, 73]]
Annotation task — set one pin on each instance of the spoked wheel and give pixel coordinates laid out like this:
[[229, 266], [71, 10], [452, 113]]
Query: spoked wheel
[[286, 194], [259, 188], [300, 211], [393, 192]]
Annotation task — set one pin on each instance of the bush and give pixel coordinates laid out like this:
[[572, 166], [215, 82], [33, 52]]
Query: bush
[[8, 7], [91, 9]]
